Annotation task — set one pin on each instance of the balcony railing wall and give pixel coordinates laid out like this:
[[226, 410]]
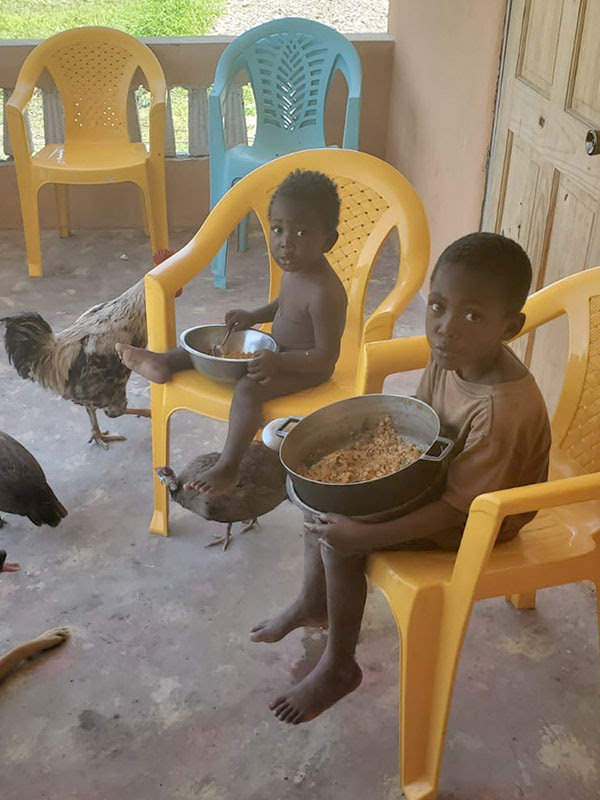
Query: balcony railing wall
[[189, 65]]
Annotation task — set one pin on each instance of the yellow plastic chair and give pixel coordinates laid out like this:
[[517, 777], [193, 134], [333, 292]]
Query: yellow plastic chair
[[375, 200], [431, 594], [92, 69]]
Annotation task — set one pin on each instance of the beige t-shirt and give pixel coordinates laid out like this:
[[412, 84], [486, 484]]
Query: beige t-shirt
[[501, 435]]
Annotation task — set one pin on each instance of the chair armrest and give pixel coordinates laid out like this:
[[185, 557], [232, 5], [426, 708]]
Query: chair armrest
[[380, 359], [543, 306], [160, 315], [16, 105], [26, 80], [380, 324], [157, 124], [488, 510], [20, 97]]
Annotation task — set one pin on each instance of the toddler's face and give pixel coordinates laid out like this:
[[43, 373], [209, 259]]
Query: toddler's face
[[467, 319], [298, 238]]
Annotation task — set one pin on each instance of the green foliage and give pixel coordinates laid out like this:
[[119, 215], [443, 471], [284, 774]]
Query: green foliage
[[38, 19]]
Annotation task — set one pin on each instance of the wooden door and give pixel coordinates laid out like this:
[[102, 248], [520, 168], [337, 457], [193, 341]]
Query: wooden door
[[543, 188]]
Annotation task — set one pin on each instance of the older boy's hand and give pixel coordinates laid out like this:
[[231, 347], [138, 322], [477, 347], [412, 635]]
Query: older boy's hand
[[344, 534], [239, 320], [263, 366]]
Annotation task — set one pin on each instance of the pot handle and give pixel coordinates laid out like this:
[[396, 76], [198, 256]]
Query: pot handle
[[280, 430], [446, 445]]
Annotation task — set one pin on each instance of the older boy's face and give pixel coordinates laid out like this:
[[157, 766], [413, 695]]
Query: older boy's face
[[298, 238], [467, 320]]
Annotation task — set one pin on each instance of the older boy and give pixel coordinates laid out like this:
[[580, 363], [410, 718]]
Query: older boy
[[487, 401]]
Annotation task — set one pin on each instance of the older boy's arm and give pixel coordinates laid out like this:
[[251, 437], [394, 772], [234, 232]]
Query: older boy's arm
[[352, 536], [327, 326]]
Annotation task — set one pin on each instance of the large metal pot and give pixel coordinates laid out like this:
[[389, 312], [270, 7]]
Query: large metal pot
[[333, 427]]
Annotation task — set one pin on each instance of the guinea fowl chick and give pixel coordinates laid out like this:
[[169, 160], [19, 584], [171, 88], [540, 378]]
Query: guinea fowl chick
[[23, 486], [261, 488]]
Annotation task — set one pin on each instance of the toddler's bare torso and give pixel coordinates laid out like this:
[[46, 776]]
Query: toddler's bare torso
[[293, 326]]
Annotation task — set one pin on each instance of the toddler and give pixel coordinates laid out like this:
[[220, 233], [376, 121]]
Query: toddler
[[308, 319]]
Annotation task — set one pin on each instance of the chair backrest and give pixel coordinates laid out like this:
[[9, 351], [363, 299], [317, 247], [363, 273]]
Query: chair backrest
[[92, 68], [375, 200], [576, 421], [290, 63]]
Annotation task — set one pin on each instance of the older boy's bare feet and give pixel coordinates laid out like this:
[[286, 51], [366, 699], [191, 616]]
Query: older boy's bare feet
[[295, 616], [321, 689], [217, 480], [146, 363]]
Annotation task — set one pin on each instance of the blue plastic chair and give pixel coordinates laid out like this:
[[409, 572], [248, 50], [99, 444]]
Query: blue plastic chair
[[290, 63]]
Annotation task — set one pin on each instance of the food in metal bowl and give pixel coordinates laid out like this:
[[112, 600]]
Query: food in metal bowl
[[241, 346], [370, 454], [234, 354]]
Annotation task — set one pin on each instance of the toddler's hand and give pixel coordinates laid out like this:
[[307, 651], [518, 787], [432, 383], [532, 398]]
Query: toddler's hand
[[263, 366], [238, 319], [344, 534]]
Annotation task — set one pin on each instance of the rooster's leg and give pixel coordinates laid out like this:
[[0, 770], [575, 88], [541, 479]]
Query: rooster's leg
[[100, 437], [253, 523], [139, 412], [224, 540]]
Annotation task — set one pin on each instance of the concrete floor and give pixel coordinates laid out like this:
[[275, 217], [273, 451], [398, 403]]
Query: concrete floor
[[160, 693]]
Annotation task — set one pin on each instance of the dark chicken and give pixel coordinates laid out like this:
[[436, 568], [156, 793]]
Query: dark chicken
[[23, 486]]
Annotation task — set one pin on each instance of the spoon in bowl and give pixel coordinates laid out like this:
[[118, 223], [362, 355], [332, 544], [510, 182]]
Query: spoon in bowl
[[217, 349]]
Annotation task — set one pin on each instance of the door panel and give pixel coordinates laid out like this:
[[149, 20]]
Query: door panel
[[543, 189], [584, 92], [539, 38]]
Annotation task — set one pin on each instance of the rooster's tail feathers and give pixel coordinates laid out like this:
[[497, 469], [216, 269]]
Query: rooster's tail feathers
[[26, 337], [32, 350]]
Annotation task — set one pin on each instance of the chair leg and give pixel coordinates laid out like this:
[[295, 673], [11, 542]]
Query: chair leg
[[432, 631], [144, 214], [156, 208], [242, 235], [61, 192], [219, 267], [160, 458], [31, 229], [219, 184], [522, 601], [423, 710]]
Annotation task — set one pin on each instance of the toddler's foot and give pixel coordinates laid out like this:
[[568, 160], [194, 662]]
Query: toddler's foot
[[217, 480], [296, 616], [321, 688], [146, 363]]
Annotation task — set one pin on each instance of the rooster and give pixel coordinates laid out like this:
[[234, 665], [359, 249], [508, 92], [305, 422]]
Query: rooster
[[80, 363]]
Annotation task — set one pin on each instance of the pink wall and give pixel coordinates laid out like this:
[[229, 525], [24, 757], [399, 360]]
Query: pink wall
[[444, 77]]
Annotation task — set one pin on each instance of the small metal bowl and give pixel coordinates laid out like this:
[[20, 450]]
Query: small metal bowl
[[199, 341]]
